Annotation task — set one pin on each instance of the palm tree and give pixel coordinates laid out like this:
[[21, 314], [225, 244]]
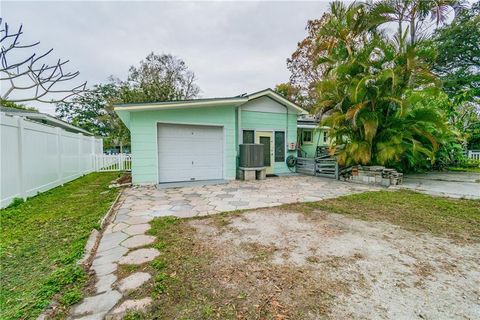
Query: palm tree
[[414, 13], [366, 89]]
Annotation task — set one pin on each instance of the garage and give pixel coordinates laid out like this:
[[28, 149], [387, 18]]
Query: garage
[[190, 152]]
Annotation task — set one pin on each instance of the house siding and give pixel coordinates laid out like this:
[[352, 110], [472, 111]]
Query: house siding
[[259, 121], [143, 129], [309, 149]]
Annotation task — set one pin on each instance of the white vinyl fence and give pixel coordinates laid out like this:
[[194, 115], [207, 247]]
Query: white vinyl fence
[[113, 162], [473, 154], [37, 157]]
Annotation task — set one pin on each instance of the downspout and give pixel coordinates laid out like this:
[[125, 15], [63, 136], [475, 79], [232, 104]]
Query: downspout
[[239, 123], [286, 134]]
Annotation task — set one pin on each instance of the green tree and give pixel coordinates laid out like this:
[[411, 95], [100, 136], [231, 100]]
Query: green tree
[[159, 78], [458, 53], [93, 111], [14, 105], [369, 89], [413, 17]]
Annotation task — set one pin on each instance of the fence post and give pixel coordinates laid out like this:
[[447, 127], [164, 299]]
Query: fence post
[[58, 132], [79, 157], [92, 152], [121, 162], [21, 156]]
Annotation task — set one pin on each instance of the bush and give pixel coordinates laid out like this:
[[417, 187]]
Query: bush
[[16, 202], [469, 163]]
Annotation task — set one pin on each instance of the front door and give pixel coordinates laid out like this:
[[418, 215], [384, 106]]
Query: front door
[[266, 138]]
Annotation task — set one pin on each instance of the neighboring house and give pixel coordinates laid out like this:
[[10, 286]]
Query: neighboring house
[[311, 136], [43, 118], [198, 139]]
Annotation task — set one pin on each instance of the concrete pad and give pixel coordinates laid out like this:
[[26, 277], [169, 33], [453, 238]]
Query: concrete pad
[[104, 283], [96, 316], [109, 256], [97, 304], [446, 184], [119, 226], [133, 281], [137, 229], [136, 213], [139, 256], [130, 305], [111, 240], [138, 241], [139, 220], [104, 269], [163, 213], [123, 211]]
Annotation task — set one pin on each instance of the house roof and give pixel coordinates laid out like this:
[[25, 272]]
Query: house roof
[[43, 118], [219, 102]]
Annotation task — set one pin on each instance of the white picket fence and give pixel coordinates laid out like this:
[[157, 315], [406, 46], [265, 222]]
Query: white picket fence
[[113, 162], [473, 154]]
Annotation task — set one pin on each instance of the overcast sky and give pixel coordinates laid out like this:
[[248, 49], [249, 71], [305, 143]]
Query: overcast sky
[[233, 47]]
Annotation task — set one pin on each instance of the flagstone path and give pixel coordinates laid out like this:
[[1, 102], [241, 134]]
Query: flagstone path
[[124, 240]]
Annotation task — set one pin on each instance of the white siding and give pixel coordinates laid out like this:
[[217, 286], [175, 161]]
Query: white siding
[[264, 104]]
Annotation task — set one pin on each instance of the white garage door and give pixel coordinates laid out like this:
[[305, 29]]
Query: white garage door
[[189, 153]]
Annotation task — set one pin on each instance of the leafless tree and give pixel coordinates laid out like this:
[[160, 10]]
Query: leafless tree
[[29, 78]]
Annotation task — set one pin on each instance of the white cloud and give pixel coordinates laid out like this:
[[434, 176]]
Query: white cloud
[[233, 47]]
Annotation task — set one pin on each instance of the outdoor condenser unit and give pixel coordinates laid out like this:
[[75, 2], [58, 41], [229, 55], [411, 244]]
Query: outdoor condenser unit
[[251, 155]]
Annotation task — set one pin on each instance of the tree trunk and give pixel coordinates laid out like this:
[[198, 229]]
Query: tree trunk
[[412, 30]]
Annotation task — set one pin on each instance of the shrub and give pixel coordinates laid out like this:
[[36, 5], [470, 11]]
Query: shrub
[[16, 202]]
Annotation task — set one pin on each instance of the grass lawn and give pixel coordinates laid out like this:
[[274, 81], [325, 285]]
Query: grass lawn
[[458, 219], [464, 169], [190, 283], [41, 240]]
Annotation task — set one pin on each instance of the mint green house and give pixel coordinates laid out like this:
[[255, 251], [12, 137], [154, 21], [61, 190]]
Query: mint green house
[[310, 136], [194, 140]]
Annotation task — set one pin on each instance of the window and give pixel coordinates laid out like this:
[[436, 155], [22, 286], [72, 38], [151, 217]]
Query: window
[[325, 136], [248, 136], [307, 136], [279, 146]]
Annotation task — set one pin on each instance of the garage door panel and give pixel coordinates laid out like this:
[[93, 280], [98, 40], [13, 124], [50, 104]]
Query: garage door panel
[[187, 152], [206, 173]]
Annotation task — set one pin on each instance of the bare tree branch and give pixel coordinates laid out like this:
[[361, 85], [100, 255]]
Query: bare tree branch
[[29, 77]]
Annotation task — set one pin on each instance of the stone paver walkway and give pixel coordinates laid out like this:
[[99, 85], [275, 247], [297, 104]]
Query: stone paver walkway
[[124, 239]]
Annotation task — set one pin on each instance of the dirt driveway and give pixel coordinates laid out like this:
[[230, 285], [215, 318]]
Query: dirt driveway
[[319, 265]]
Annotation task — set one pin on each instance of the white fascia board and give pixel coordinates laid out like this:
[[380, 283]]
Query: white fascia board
[[181, 105]]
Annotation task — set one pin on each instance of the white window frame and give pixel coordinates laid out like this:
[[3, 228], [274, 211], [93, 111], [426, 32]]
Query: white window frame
[[311, 137]]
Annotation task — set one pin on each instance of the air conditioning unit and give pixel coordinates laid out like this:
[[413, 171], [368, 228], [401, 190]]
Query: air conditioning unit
[[251, 155]]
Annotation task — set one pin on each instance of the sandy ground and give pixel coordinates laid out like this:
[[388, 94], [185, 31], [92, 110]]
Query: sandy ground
[[386, 272]]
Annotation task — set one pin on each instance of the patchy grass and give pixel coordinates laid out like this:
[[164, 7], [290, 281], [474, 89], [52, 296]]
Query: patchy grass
[[465, 169], [198, 278], [457, 219], [41, 240], [195, 279]]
